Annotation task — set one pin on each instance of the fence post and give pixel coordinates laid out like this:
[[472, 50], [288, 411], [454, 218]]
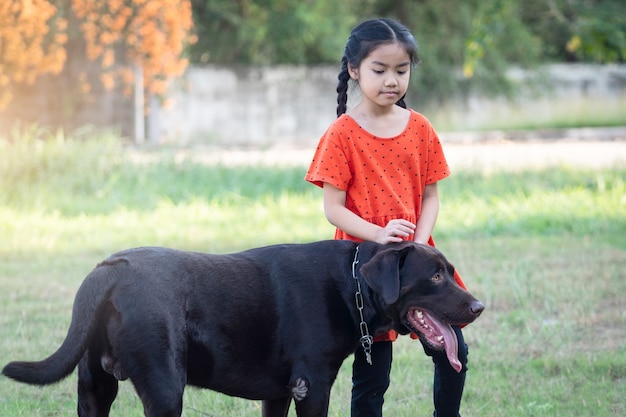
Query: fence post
[[140, 129]]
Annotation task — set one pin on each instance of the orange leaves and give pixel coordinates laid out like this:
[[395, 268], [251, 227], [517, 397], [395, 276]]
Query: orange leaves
[[119, 33], [162, 28], [151, 34], [32, 42]]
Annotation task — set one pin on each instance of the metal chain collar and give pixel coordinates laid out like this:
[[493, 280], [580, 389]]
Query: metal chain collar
[[366, 339]]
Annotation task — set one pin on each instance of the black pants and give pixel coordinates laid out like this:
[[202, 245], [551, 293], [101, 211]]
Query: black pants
[[369, 382]]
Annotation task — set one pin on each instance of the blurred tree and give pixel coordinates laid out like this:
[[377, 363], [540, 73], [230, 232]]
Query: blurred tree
[[470, 44], [271, 31], [119, 33], [578, 30], [150, 34], [498, 39], [598, 29], [464, 44], [32, 42]]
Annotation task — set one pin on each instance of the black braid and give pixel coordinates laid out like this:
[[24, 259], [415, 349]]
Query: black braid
[[342, 87], [401, 102]]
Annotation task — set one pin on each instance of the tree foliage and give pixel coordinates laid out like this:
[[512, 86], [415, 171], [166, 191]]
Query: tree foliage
[[32, 37], [270, 31], [147, 33], [118, 33], [598, 30], [464, 44], [297, 31]]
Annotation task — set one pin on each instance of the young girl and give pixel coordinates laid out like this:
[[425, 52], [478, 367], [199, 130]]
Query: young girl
[[379, 164]]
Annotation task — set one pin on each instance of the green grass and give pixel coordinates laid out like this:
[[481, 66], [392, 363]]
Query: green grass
[[545, 250]]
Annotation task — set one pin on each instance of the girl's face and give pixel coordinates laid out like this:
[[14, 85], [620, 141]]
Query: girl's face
[[384, 74]]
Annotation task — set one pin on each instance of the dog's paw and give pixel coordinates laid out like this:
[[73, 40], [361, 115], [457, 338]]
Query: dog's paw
[[300, 389]]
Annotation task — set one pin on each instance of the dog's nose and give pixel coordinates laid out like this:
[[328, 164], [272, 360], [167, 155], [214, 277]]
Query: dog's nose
[[476, 307]]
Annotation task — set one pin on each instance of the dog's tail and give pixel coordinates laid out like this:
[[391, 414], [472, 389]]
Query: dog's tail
[[89, 299]]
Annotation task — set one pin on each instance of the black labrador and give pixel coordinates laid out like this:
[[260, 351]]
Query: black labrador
[[272, 323]]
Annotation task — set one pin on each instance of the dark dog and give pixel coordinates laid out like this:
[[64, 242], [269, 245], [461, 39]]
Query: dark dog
[[271, 323]]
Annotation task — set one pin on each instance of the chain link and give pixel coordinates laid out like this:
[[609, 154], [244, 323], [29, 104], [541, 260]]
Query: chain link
[[366, 339]]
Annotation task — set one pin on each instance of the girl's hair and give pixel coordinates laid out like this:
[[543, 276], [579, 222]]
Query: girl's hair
[[364, 38]]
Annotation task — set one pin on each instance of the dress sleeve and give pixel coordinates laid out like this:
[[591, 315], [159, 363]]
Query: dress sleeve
[[438, 168], [330, 164]]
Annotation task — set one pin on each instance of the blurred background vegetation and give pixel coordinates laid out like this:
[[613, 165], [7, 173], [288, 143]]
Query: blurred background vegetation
[[464, 44]]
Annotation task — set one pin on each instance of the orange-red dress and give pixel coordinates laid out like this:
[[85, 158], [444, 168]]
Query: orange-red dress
[[384, 178]]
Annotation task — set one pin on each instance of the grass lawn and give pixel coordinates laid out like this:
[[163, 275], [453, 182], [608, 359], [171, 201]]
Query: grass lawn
[[545, 250]]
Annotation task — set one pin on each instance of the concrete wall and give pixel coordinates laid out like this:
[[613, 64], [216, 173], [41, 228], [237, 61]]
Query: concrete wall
[[292, 106], [248, 106], [561, 93], [58, 101]]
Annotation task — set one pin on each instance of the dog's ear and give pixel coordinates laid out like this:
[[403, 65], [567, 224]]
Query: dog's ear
[[382, 273]]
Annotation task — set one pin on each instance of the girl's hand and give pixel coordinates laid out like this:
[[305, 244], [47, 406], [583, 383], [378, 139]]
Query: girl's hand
[[395, 231]]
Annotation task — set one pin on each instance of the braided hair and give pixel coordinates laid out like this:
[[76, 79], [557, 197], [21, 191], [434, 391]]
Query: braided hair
[[363, 39]]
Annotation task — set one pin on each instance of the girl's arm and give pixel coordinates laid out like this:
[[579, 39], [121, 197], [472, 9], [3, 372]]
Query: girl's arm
[[341, 217], [428, 217]]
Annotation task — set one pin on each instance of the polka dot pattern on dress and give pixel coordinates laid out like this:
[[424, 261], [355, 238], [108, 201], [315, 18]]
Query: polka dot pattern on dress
[[384, 178]]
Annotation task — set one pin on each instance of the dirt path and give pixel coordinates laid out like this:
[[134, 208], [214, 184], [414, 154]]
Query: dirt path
[[518, 155], [507, 155]]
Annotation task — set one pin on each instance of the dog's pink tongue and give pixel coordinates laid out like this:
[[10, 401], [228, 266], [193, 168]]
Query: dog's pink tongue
[[451, 344], [450, 341]]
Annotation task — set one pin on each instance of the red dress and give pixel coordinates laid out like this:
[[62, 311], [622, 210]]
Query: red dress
[[384, 178]]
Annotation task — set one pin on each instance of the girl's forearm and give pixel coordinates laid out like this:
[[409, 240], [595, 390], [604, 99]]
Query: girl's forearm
[[428, 216], [350, 223]]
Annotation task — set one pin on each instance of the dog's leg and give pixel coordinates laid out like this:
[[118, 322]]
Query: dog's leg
[[314, 405], [96, 388], [157, 367], [276, 408], [160, 387], [311, 397]]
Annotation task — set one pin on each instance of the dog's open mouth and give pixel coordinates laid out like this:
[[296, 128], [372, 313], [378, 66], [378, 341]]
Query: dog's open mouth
[[436, 334]]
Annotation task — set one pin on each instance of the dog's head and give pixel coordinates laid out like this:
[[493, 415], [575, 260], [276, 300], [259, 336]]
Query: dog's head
[[417, 288]]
